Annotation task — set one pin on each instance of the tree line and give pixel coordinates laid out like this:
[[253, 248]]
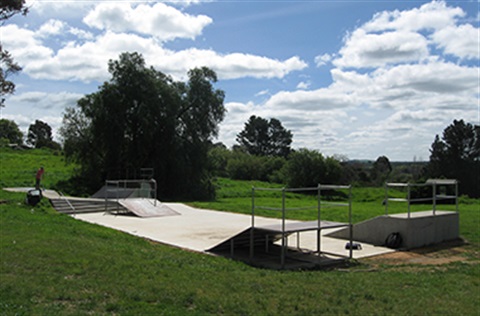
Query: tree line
[[39, 135], [143, 118]]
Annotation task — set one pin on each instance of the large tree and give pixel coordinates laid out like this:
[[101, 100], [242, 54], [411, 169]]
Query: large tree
[[143, 118], [8, 8], [40, 135], [265, 138], [9, 131], [457, 155]]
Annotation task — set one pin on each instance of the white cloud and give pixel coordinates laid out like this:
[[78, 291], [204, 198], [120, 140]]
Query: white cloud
[[461, 41], [51, 27], [159, 20], [87, 60], [303, 85], [24, 45], [230, 66], [324, 59], [394, 37], [315, 100], [363, 50], [430, 16]]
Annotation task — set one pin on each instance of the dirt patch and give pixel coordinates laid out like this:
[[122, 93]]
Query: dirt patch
[[440, 254]]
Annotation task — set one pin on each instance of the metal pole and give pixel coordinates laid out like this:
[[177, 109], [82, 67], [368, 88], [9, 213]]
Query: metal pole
[[434, 197], [283, 229], [106, 195], [253, 223], [386, 198], [408, 199], [118, 204], [319, 213], [350, 220], [456, 196], [154, 191]]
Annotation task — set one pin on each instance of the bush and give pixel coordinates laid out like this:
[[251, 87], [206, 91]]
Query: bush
[[243, 166], [308, 168]]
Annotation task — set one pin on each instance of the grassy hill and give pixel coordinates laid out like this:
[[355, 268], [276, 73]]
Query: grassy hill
[[53, 264]]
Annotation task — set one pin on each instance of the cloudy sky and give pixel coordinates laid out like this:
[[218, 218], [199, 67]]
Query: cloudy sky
[[354, 78]]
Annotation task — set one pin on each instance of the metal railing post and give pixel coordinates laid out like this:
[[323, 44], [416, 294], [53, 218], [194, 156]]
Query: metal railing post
[[456, 196], [319, 221], [283, 229], [350, 219], [386, 198], [253, 224], [434, 190], [408, 199]]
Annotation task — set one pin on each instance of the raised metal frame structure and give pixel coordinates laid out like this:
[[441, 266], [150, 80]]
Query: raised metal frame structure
[[434, 183], [117, 184], [317, 225]]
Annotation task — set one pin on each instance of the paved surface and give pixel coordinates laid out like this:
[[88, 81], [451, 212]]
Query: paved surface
[[199, 230], [185, 227], [49, 194]]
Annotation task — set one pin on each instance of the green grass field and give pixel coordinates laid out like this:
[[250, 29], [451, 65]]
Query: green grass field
[[52, 264]]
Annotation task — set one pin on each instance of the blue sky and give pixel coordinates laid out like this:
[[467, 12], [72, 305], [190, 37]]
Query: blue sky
[[354, 78]]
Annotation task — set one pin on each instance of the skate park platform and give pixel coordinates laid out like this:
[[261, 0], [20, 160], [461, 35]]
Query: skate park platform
[[214, 232], [416, 229], [208, 231]]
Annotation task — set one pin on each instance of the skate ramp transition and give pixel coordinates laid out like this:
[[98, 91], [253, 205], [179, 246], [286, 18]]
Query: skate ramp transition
[[147, 207], [267, 246], [416, 229]]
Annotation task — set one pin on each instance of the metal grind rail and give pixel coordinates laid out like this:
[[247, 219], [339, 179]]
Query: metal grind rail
[[63, 197], [285, 229], [433, 183]]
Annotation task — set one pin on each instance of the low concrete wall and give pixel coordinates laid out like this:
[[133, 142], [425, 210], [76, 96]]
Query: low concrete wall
[[421, 229]]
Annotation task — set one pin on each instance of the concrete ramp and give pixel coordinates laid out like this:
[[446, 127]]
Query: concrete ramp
[[147, 207], [420, 229]]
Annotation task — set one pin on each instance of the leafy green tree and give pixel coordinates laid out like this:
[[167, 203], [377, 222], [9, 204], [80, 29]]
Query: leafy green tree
[[40, 135], [457, 156], [265, 138], [9, 130], [142, 118], [8, 66]]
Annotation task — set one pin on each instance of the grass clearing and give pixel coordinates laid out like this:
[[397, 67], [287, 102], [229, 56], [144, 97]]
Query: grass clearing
[[52, 264]]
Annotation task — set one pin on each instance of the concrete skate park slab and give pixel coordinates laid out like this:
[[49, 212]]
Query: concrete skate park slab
[[200, 230], [49, 194]]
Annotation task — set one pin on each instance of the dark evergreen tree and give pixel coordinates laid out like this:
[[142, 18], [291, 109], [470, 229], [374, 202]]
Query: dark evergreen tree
[[457, 156], [265, 138]]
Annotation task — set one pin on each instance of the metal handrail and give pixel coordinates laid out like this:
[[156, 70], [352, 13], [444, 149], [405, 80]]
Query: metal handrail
[[62, 196], [435, 197]]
